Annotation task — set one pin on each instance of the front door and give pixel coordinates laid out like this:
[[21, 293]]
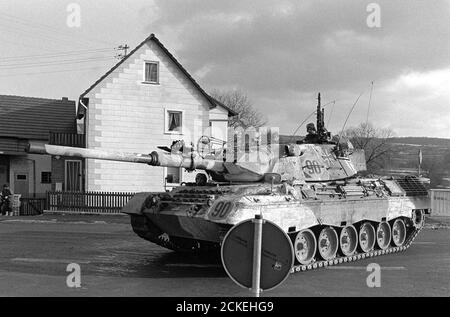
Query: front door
[[21, 184], [4, 169], [3, 174], [73, 175]]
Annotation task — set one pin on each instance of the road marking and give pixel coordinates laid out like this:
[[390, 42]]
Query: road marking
[[387, 268], [34, 260], [424, 242], [194, 265]]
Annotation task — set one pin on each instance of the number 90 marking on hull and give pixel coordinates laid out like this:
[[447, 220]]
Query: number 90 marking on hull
[[221, 209]]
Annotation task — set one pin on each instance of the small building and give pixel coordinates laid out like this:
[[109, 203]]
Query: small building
[[146, 100], [24, 119]]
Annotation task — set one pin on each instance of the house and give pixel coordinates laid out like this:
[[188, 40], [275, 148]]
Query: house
[[24, 119], [146, 100]]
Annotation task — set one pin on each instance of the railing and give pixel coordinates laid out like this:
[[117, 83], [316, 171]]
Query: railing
[[88, 202], [32, 206], [67, 139]]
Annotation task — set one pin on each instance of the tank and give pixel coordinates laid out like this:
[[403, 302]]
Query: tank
[[311, 189]]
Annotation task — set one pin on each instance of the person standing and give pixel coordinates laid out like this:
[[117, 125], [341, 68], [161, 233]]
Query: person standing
[[5, 200], [312, 137]]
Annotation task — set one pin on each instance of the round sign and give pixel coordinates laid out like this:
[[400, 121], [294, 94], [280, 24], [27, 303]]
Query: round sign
[[277, 254]]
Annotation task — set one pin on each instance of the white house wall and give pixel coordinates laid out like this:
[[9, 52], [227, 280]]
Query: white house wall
[[126, 115]]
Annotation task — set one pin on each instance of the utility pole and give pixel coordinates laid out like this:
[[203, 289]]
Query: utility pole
[[123, 48]]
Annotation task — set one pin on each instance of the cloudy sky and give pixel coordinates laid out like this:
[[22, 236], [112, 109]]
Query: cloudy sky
[[281, 53]]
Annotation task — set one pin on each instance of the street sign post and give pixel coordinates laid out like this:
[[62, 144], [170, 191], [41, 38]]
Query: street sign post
[[257, 255]]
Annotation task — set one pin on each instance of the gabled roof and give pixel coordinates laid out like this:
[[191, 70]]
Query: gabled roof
[[214, 103], [33, 118]]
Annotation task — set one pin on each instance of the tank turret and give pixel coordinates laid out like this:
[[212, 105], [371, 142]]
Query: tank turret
[[294, 162], [320, 161]]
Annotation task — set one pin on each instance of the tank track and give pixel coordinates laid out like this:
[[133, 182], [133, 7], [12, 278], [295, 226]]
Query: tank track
[[156, 236], [357, 256]]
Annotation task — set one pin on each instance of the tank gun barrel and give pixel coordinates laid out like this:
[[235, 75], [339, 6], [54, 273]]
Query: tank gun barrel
[[156, 158], [57, 150]]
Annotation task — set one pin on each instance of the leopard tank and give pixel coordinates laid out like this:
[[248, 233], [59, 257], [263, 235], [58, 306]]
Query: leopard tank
[[311, 190]]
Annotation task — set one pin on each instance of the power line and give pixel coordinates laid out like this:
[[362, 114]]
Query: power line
[[49, 72], [64, 62], [45, 62], [34, 35], [53, 55], [50, 28]]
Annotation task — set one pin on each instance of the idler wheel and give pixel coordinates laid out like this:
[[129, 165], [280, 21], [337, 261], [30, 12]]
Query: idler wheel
[[383, 235], [348, 240], [366, 237], [398, 232], [328, 243], [418, 218], [305, 245]]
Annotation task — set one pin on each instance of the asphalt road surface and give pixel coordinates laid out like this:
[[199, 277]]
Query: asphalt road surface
[[35, 253]]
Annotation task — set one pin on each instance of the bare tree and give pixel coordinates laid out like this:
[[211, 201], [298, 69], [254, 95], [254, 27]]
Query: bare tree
[[238, 101], [374, 142]]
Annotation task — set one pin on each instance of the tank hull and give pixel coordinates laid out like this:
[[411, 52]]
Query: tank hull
[[199, 216]]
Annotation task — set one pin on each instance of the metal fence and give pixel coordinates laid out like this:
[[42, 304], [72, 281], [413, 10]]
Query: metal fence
[[32, 206], [87, 202], [440, 202]]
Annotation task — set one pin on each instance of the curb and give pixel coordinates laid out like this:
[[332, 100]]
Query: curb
[[81, 213]]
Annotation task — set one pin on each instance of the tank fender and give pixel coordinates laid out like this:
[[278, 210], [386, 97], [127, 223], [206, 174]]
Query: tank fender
[[136, 205]]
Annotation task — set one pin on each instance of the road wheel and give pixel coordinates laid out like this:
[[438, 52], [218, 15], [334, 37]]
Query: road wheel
[[305, 245], [398, 232], [328, 243], [348, 240], [366, 237], [383, 235]]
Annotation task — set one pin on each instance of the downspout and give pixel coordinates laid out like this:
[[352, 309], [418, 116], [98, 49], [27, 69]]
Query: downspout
[[34, 176], [84, 176]]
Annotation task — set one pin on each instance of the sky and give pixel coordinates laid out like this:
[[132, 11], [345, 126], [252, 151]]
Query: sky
[[281, 53]]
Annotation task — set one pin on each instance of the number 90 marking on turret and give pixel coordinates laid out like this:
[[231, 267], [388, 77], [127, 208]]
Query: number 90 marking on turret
[[221, 210]]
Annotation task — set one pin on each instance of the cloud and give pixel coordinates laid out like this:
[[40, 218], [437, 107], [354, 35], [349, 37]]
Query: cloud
[[283, 52]]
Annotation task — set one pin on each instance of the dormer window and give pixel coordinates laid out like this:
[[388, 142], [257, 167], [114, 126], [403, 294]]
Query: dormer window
[[151, 72]]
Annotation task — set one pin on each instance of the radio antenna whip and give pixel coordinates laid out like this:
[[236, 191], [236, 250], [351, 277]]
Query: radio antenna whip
[[348, 116], [368, 108]]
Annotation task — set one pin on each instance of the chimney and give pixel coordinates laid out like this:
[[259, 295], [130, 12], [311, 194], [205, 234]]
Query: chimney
[[65, 99]]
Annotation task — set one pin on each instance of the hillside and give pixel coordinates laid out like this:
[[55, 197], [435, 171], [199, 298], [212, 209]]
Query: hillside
[[421, 141]]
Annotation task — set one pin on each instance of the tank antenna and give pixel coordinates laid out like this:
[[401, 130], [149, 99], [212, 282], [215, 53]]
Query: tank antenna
[[348, 116], [370, 100], [331, 114]]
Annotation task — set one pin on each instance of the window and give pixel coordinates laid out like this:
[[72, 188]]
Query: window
[[174, 122], [21, 177], [173, 175], [151, 72], [46, 177]]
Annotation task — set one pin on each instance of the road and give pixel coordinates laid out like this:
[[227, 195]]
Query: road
[[35, 252]]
